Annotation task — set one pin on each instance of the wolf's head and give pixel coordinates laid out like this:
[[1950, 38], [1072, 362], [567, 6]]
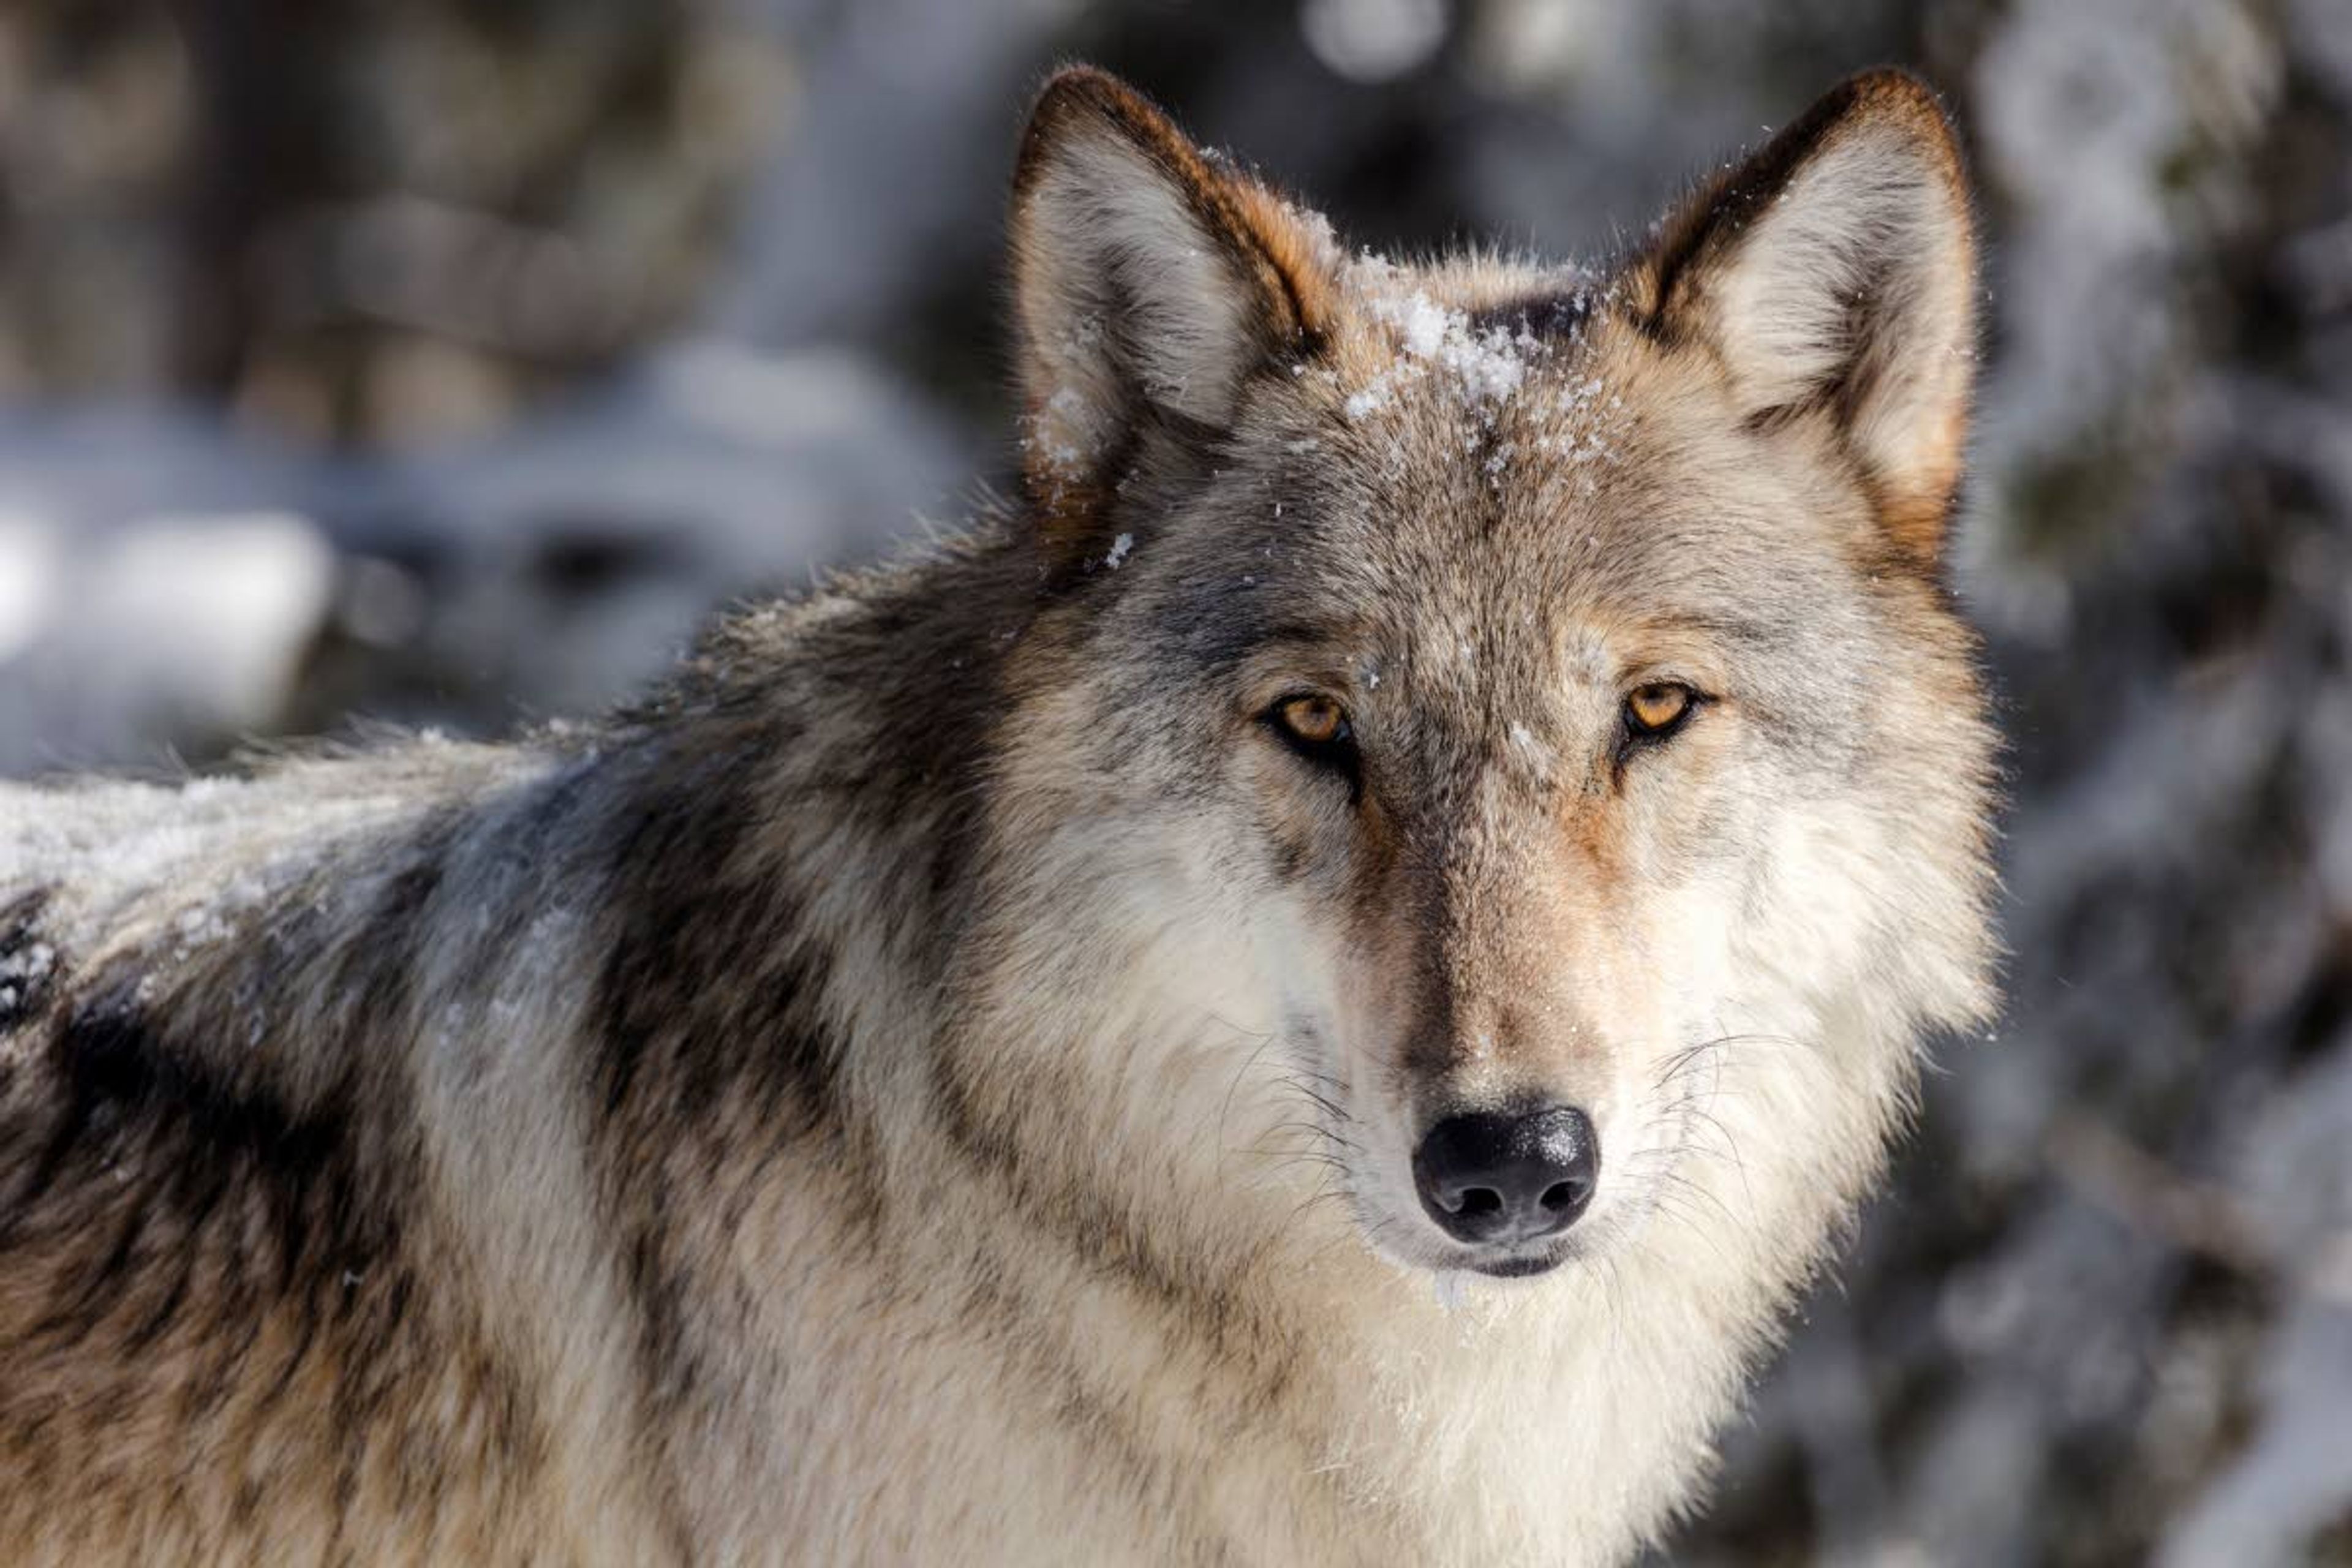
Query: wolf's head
[[1510, 711]]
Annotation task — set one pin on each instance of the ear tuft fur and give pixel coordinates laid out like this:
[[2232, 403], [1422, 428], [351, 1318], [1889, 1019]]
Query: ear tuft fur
[[1836, 271], [1148, 283]]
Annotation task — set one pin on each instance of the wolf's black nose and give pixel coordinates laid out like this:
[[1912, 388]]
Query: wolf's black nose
[[1504, 1178]]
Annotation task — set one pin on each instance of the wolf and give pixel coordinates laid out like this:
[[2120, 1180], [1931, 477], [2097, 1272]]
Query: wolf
[[1310, 991]]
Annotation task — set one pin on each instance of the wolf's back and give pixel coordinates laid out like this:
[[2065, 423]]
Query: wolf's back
[[232, 1310]]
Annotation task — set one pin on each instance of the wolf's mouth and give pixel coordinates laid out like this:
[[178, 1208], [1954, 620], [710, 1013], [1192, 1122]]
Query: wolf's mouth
[[1518, 1268]]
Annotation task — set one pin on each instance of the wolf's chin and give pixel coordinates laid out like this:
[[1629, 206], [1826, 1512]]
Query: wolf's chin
[[1518, 1266]]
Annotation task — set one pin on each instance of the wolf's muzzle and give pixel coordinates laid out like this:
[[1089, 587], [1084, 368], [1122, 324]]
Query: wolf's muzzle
[[1494, 1179]]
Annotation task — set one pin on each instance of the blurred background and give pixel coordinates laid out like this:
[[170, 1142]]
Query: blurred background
[[443, 362]]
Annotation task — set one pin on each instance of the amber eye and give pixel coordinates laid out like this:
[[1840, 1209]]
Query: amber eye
[[1316, 728], [1657, 708], [1316, 720]]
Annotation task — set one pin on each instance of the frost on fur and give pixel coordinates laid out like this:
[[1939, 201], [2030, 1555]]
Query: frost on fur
[[1484, 365]]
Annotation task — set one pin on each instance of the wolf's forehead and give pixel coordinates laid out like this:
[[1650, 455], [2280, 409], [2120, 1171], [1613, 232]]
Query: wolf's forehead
[[1545, 587], [1488, 484], [1480, 470], [1467, 405], [1498, 517]]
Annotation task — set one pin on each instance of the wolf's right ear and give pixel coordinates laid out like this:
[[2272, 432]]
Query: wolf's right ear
[[1147, 283], [1834, 272]]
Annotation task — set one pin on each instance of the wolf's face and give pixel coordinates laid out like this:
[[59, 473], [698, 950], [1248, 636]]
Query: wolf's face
[[1557, 747]]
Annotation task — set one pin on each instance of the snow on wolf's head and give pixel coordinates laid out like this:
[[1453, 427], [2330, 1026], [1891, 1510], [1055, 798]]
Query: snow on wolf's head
[[1497, 733]]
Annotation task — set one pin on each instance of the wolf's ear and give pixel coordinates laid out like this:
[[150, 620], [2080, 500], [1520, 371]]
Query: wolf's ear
[[1147, 283], [1835, 271]]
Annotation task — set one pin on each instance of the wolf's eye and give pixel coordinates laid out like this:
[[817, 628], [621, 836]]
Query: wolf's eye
[[1316, 728], [1317, 721], [1658, 710]]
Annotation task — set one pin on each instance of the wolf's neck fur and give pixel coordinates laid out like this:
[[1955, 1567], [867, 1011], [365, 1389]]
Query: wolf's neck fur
[[822, 815], [729, 1116]]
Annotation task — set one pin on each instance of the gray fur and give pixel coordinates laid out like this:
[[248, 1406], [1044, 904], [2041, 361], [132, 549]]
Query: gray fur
[[931, 1083]]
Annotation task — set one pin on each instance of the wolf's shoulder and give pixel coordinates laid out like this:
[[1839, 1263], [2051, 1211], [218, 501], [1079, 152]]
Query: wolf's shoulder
[[95, 853]]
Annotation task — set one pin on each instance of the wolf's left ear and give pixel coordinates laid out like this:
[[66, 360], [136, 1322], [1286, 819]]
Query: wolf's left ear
[[1148, 282], [1835, 271]]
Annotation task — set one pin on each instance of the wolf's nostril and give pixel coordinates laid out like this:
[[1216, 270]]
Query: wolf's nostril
[[1502, 1178]]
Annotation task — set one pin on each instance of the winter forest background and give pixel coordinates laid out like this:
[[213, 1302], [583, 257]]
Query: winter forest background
[[441, 362]]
